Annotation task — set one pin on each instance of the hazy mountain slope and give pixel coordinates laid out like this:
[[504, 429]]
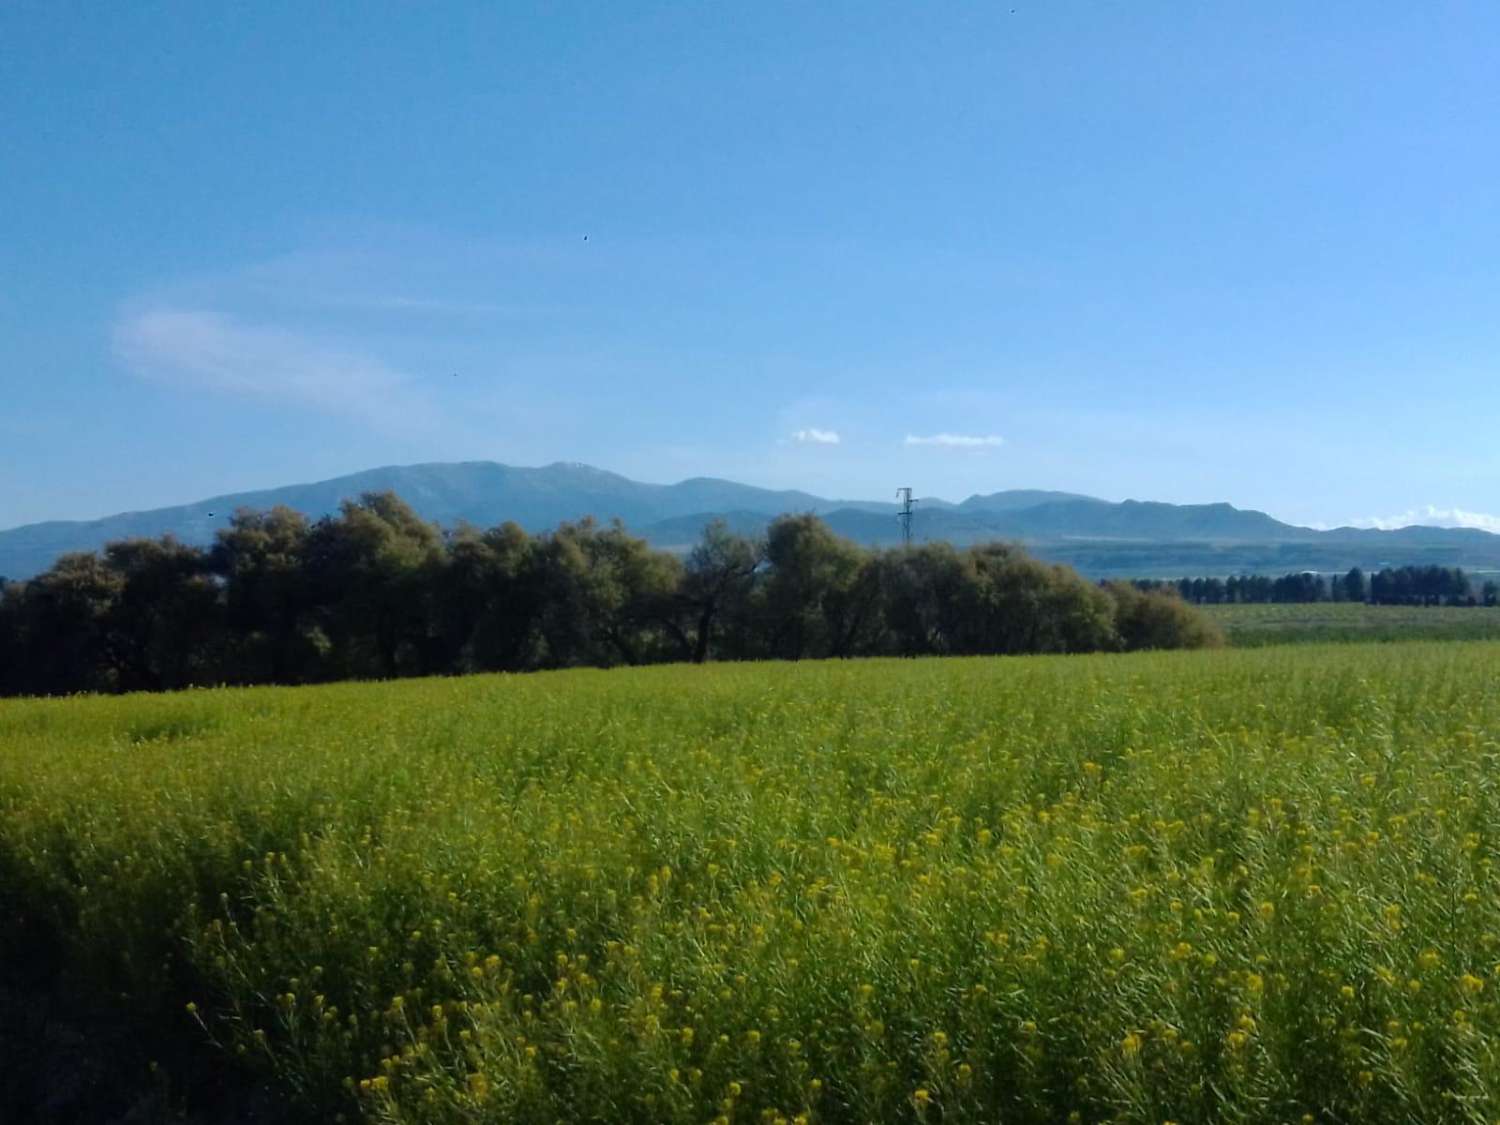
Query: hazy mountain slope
[[1016, 498], [481, 492], [1135, 519], [1097, 536]]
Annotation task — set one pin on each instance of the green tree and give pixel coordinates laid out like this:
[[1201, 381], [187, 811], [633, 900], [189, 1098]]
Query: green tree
[[605, 596], [1157, 619], [489, 599], [165, 620], [262, 559], [817, 591], [63, 641], [716, 583], [377, 591], [372, 572], [11, 650], [1355, 585], [1017, 604], [923, 592]]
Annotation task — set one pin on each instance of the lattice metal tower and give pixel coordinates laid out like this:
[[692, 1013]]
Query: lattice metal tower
[[908, 509]]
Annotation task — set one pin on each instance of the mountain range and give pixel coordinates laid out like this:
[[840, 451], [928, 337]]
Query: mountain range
[[1099, 537]]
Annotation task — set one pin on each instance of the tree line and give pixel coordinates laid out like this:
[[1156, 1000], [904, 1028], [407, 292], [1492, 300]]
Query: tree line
[[377, 592], [1406, 585]]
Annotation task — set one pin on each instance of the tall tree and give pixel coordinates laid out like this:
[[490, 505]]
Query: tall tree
[[604, 596], [262, 559], [376, 591], [372, 572], [11, 643], [62, 622], [716, 582], [489, 599], [164, 622], [1017, 604], [924, 590], [811, 574]]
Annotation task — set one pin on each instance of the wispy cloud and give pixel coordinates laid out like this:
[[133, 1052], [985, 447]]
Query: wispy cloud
[[957, 441], [210, 351], [395, 303], [1433, 516], [814, 436]]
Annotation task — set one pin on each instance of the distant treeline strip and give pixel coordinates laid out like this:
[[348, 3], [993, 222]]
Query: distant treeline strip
[[1406, 585], [376, 592]]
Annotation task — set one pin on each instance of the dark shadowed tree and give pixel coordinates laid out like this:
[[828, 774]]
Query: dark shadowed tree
[[923, 592], [716, 582], [489, 599], [604, 596], [851, 611], [372, 571], [165, 623], [1355, 587], [62, 616], [262, 559], [1017, 604], [1157, 619], [376, 591], [10, 638], [811, 603]]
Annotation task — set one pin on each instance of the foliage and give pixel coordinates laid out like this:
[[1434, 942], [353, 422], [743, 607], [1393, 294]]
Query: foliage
[[1150, 619], [1255, 625], [1248, 886], [1406, 585], [377, 593], [1017, 605]]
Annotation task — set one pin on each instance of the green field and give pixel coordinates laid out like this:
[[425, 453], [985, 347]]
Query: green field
[[1248, 626], [1233, 886]]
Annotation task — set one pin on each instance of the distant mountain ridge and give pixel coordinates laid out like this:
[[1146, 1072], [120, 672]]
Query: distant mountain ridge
[[1097, 536]]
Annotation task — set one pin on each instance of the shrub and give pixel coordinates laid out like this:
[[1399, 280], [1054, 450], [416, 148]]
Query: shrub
[[1160, 619]]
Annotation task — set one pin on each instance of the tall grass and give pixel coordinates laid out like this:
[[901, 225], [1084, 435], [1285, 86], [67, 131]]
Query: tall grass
[[1238, 886], [1248, 626]]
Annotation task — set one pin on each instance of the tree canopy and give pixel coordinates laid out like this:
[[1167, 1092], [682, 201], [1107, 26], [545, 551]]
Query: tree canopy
[[1405, 585], [377, 592]]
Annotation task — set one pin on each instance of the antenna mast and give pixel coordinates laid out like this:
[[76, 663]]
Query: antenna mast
[[908, 509]]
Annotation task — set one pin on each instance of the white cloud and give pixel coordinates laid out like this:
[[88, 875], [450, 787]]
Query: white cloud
[[814, 436], [1433, 516], [956, 441], [201, 350]]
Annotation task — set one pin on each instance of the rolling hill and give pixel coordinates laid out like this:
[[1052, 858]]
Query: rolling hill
[[1098, 537]]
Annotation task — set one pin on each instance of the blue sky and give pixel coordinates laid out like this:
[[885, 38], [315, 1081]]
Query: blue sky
[[1244, 252]]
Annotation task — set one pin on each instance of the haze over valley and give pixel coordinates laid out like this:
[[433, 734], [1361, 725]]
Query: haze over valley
[[1098, 537]]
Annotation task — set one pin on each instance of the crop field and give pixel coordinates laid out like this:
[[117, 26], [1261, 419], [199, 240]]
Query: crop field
[[1218, 886], [1248, 626]]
